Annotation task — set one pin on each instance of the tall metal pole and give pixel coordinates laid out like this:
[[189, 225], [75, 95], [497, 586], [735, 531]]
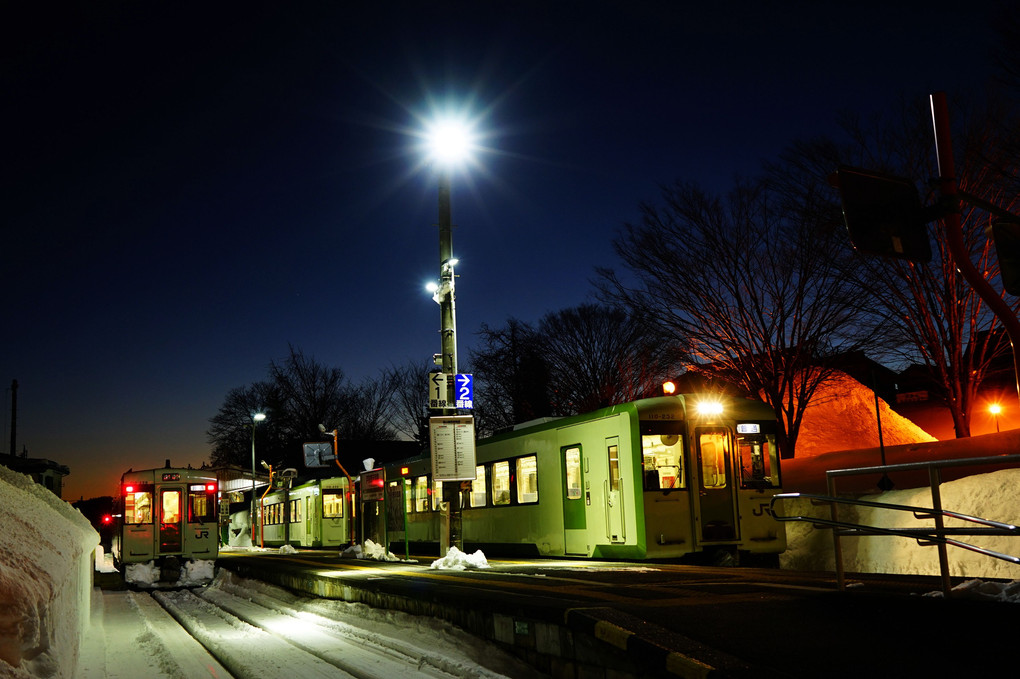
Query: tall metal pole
[[448, 331], [254, 423], [448, 317]]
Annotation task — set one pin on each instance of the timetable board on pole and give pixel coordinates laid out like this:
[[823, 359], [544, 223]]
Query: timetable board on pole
[[452, 444]]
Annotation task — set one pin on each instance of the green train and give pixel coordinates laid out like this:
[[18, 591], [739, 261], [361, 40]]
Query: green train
[[662, 477]]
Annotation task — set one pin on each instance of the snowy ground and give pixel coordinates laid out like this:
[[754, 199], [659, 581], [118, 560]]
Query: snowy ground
[[258, 630]]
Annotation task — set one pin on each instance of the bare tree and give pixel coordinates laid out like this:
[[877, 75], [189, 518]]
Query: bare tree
[[751, 292], [230, 431], [512, 378], [409, 411], [299, 395], [599, 356]]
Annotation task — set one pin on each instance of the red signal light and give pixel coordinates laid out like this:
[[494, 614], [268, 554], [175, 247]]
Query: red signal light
[[107, 518]]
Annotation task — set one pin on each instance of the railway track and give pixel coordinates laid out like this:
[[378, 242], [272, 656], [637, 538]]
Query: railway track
[[240, 630]]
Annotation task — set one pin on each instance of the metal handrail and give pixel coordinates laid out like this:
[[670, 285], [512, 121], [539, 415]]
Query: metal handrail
[[924, 536]]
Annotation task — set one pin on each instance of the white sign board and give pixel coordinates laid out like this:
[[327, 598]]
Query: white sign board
[[439, 394], [452, 443]]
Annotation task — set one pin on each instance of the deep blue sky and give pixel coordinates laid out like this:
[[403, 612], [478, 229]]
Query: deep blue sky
[[189, 189]]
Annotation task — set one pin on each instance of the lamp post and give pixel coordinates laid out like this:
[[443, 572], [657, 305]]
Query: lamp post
[[255, 419], [449, 144]]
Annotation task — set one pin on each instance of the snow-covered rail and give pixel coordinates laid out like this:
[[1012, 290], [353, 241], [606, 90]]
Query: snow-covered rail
[[254, 638], [246, 629]]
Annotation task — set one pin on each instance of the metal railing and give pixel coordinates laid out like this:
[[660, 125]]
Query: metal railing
[[926, 536]]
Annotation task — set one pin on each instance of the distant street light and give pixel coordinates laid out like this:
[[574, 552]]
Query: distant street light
[[255, 419], [995, 409]]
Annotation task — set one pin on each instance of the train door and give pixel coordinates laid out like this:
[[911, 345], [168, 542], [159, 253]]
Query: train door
[[311, 525], [170, 506], [716, 489], [575, 502], [614, 492]]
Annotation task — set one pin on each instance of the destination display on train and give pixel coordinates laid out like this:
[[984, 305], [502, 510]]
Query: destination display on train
[[452, 444]]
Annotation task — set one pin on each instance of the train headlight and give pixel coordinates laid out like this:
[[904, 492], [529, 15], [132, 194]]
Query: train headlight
[[709, 408]]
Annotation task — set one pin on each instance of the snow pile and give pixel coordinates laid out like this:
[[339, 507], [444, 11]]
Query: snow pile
[[104, 561], [841, 416], [45, 579], [288, 549], [988, 496], [193, 573], [372, 550], [456, 560], [989, 591]]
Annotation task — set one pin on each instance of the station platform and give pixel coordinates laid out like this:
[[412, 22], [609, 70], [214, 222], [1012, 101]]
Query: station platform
[[599, 619]]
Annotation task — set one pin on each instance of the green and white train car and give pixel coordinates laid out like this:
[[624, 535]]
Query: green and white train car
[[657, 478], [168, 517], [314, 514]]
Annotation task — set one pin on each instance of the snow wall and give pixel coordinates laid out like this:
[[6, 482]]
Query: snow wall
[[988, 496], [46, 552]]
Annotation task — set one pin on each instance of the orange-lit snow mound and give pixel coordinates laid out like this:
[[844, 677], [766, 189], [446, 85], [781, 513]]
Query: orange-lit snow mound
[[841, 416]]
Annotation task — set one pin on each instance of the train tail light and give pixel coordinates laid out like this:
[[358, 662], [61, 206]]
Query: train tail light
[[210, 487], [128, 490]]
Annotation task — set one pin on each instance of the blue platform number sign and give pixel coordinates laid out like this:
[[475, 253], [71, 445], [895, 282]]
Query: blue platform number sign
[[464, 388]]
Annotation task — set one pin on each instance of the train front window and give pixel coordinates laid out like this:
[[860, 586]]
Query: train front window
[[201, 503], [759, 457], [714, 453], [662, 461], [332, 504], [137, 504]]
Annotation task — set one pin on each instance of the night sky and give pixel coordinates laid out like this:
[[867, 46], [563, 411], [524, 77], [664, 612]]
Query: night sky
[[189, 189]]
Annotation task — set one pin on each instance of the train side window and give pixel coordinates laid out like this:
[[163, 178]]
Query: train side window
[[662, 462], [501, 483], [759, 461], [437, 495], [527, 479], [572, 462], [478, 487], [138, 505], [295, 511], [421, 494], [614, 467], [332, 504]]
